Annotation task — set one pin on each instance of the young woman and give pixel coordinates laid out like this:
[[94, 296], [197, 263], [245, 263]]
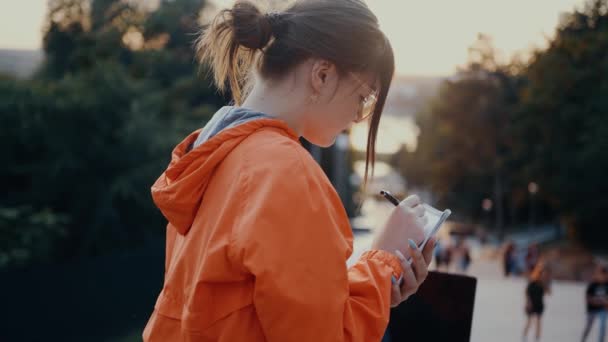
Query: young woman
[[538, 286], [258, 239], [597, 302]]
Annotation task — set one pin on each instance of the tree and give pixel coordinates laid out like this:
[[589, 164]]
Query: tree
[[82, 33], [465, 137], [502, 126], [563, 120], [95, 127]]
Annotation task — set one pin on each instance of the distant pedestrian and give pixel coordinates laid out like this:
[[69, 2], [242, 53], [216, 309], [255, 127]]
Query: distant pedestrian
[[597, 302], [447, 256], [438, 254], [532, 255], [466, 258], [538, 286], [509, 258], [463, 254]]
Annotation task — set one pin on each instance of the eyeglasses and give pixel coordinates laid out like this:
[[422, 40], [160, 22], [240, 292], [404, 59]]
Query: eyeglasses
[[368, 103]]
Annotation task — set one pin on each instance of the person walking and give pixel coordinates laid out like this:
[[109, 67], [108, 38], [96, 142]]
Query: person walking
[[538, 287], [597, 302]]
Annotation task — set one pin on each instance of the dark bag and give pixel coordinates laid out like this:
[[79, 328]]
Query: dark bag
[[441, 310]]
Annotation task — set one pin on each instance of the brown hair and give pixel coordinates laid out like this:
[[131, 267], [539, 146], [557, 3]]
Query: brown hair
[[537, 272], [541, 268], [344, 32]]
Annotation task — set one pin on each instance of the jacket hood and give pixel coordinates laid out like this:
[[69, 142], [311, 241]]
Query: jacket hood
[[179, 191]]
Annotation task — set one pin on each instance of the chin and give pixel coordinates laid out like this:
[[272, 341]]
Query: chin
[[322, 141]]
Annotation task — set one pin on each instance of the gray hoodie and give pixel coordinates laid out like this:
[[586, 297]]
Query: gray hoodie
[[227, 117]]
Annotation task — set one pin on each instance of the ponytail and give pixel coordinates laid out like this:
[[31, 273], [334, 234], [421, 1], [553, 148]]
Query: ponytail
[[231, 45]]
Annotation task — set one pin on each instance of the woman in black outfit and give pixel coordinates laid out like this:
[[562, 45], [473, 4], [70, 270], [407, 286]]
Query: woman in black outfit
[[538, 287]]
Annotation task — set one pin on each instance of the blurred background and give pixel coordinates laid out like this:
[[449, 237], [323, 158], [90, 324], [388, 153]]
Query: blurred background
[[498, 111]]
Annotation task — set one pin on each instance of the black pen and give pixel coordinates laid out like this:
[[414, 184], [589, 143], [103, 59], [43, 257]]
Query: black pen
[[389, 197]]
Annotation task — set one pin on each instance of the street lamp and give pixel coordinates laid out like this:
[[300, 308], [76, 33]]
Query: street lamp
[[487, 205], [532, 189]]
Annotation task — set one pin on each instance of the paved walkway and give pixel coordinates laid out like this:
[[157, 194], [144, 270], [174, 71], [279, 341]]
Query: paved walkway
[[500, 302], [499, 305]]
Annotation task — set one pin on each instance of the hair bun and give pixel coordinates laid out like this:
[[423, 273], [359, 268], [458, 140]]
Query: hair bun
[[252, 29], [276, 20]]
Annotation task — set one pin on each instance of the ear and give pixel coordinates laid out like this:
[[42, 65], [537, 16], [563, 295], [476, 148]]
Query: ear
[[322, 72]]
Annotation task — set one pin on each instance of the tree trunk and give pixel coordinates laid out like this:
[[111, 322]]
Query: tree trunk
[[499, 202]]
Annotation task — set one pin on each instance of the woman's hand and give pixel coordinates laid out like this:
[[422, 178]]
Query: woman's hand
[[406, 221], [414, 274], [400, 235]]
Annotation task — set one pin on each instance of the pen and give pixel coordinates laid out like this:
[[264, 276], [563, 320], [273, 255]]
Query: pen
[[389, 197]]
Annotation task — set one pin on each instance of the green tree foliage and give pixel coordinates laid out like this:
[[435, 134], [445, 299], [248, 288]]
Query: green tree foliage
[[563, 120], [29, 236], [496, 127], [465, 136], [88, 135]]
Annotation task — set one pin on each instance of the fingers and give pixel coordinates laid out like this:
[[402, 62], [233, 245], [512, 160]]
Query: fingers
[[415, 272], [409, 284], [427, 253], [422, 221], [395, 293], [411, 201], [418, 262], [419, 210]]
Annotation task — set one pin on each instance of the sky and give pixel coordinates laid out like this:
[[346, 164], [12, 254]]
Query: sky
[[430, 38]]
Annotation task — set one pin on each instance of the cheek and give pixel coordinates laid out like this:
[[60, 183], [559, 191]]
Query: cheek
[[330, 119], [351, 108], [322, 129], [344, 110]]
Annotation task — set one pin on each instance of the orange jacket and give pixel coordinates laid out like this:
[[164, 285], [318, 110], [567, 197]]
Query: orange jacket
[[257, 244]]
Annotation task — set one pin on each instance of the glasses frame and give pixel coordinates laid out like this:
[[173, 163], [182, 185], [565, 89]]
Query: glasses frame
[[368, 104]]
